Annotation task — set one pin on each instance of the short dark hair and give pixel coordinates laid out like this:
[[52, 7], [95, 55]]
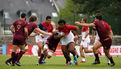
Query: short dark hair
[[98, 16], [61, 21], [23, 15], [84, 19], [48, 17], [32, 18]]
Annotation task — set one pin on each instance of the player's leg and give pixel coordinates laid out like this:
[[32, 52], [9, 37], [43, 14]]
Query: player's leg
[[66, 54], [22, 51], [82, 54], [43, 54], [13, 54], [40, 45], [109, 56], [71, 49], [95, 48]]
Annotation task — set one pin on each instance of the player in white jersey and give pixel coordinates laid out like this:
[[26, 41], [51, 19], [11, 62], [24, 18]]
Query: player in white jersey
[[85, 41]]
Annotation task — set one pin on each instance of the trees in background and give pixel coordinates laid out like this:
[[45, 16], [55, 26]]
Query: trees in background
[[111, 10]]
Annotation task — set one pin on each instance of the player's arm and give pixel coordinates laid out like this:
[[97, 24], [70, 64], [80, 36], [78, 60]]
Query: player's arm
[[43, 32], [12, 29], [84, 24], [87, 33], [26, 31], [75, 32], [109, 30], [93, 34], [59, 36], [111, 34]]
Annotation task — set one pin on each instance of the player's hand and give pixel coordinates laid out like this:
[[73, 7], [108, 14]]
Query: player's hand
[[83, 39], [50, 34], [77, 23], [42, 36]]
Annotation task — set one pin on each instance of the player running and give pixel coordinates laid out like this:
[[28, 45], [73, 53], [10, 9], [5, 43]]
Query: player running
[[67, 42], [97, 37], [85, 41], [105, 38], [41, 39]]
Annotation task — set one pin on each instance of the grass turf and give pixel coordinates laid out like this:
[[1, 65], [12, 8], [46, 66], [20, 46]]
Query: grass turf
[[58, 62]]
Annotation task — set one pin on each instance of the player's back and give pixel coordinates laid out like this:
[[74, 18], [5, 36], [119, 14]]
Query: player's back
[[31, 26], [19, 27]]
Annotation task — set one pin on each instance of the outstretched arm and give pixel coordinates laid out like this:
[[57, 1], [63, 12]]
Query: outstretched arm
[[43, 32], [84, 24]]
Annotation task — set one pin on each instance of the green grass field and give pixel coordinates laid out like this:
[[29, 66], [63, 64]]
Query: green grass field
[[58, 62]]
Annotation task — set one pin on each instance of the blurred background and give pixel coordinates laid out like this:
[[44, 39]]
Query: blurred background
[[70, 10]]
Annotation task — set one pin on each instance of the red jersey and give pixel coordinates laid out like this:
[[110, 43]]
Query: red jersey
[[43, 26], [31, 26], [67, 28], [84, 29], [102, 29]]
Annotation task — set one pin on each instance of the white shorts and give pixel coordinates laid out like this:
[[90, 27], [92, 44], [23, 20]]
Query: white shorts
[[85, 44], [26, 47], [38, 38], [67, 39]]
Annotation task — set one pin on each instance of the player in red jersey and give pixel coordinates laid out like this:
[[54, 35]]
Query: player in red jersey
[[67, 42], [17, 28], [105, 38], [41, 39], [32, 27], [85, 41]]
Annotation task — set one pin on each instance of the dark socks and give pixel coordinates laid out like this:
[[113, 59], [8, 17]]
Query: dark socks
[[13, 55], [111, 60], [41, 58], [96, 57], [19, 56]]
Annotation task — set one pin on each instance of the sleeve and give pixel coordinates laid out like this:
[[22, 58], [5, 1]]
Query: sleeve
[[35, 26], [71, 27], [108, 27], [86, 28], [40, 26]]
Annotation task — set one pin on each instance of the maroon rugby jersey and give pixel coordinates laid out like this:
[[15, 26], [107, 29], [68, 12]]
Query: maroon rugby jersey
[[19, 28], [102, 30], [31, 26]]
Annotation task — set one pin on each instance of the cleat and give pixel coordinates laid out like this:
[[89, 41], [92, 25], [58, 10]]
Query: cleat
[[108, 64], [112, 64], [76, 63], [96, 62], [12, 64], [17, 63], [42, 63], [70, 63], [83, 61], [7, 63], [66, 64], [75, 59]]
